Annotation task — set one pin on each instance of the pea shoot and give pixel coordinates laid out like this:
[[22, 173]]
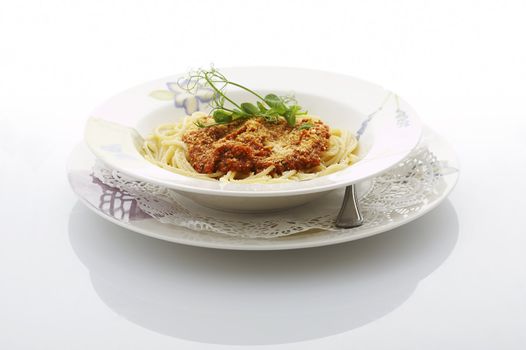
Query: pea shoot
[[224, 110]]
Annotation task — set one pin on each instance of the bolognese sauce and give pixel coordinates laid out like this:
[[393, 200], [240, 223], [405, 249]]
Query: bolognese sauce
[[253, 145]]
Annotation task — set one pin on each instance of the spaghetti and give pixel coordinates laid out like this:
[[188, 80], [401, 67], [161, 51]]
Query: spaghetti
[[166, 148]]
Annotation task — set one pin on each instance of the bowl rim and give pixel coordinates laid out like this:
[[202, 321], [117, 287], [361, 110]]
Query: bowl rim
[[194, 185]]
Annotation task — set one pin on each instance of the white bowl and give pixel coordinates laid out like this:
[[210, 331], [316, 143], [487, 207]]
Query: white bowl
[[388, 127]]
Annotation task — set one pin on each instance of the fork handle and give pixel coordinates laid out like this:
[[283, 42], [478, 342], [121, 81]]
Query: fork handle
[[349, 215]]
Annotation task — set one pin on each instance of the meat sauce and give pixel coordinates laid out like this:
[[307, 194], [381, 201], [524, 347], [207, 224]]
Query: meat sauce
[[253, 145]]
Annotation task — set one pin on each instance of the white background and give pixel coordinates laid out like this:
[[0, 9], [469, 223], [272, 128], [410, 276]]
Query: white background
[[455, 279]]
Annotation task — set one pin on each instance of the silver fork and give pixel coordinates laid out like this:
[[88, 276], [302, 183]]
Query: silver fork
[[349, 215]]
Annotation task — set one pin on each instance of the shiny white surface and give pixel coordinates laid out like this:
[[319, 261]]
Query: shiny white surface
[[454, 279]]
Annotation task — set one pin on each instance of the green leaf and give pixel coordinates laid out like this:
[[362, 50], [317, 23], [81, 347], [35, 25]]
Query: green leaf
[[291, 119], [295, 109], [272, 100], [272, 112], [305, 126], [249, 108], [275, 102], [238, 114], [281, 108], [222, 116], [261, 107]]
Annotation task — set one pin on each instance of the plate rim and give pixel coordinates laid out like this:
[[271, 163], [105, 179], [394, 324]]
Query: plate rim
[[437, 141]]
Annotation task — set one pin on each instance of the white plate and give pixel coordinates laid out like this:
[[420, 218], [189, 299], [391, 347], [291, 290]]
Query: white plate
[[121, 209], [342, 101]]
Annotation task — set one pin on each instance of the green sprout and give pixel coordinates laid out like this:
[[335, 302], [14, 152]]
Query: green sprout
[[270, 107]]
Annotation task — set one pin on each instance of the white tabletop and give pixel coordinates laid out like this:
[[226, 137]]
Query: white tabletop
[[453, 279]]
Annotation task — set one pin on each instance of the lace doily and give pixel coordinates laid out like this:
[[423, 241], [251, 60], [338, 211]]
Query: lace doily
[[402, 190]]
